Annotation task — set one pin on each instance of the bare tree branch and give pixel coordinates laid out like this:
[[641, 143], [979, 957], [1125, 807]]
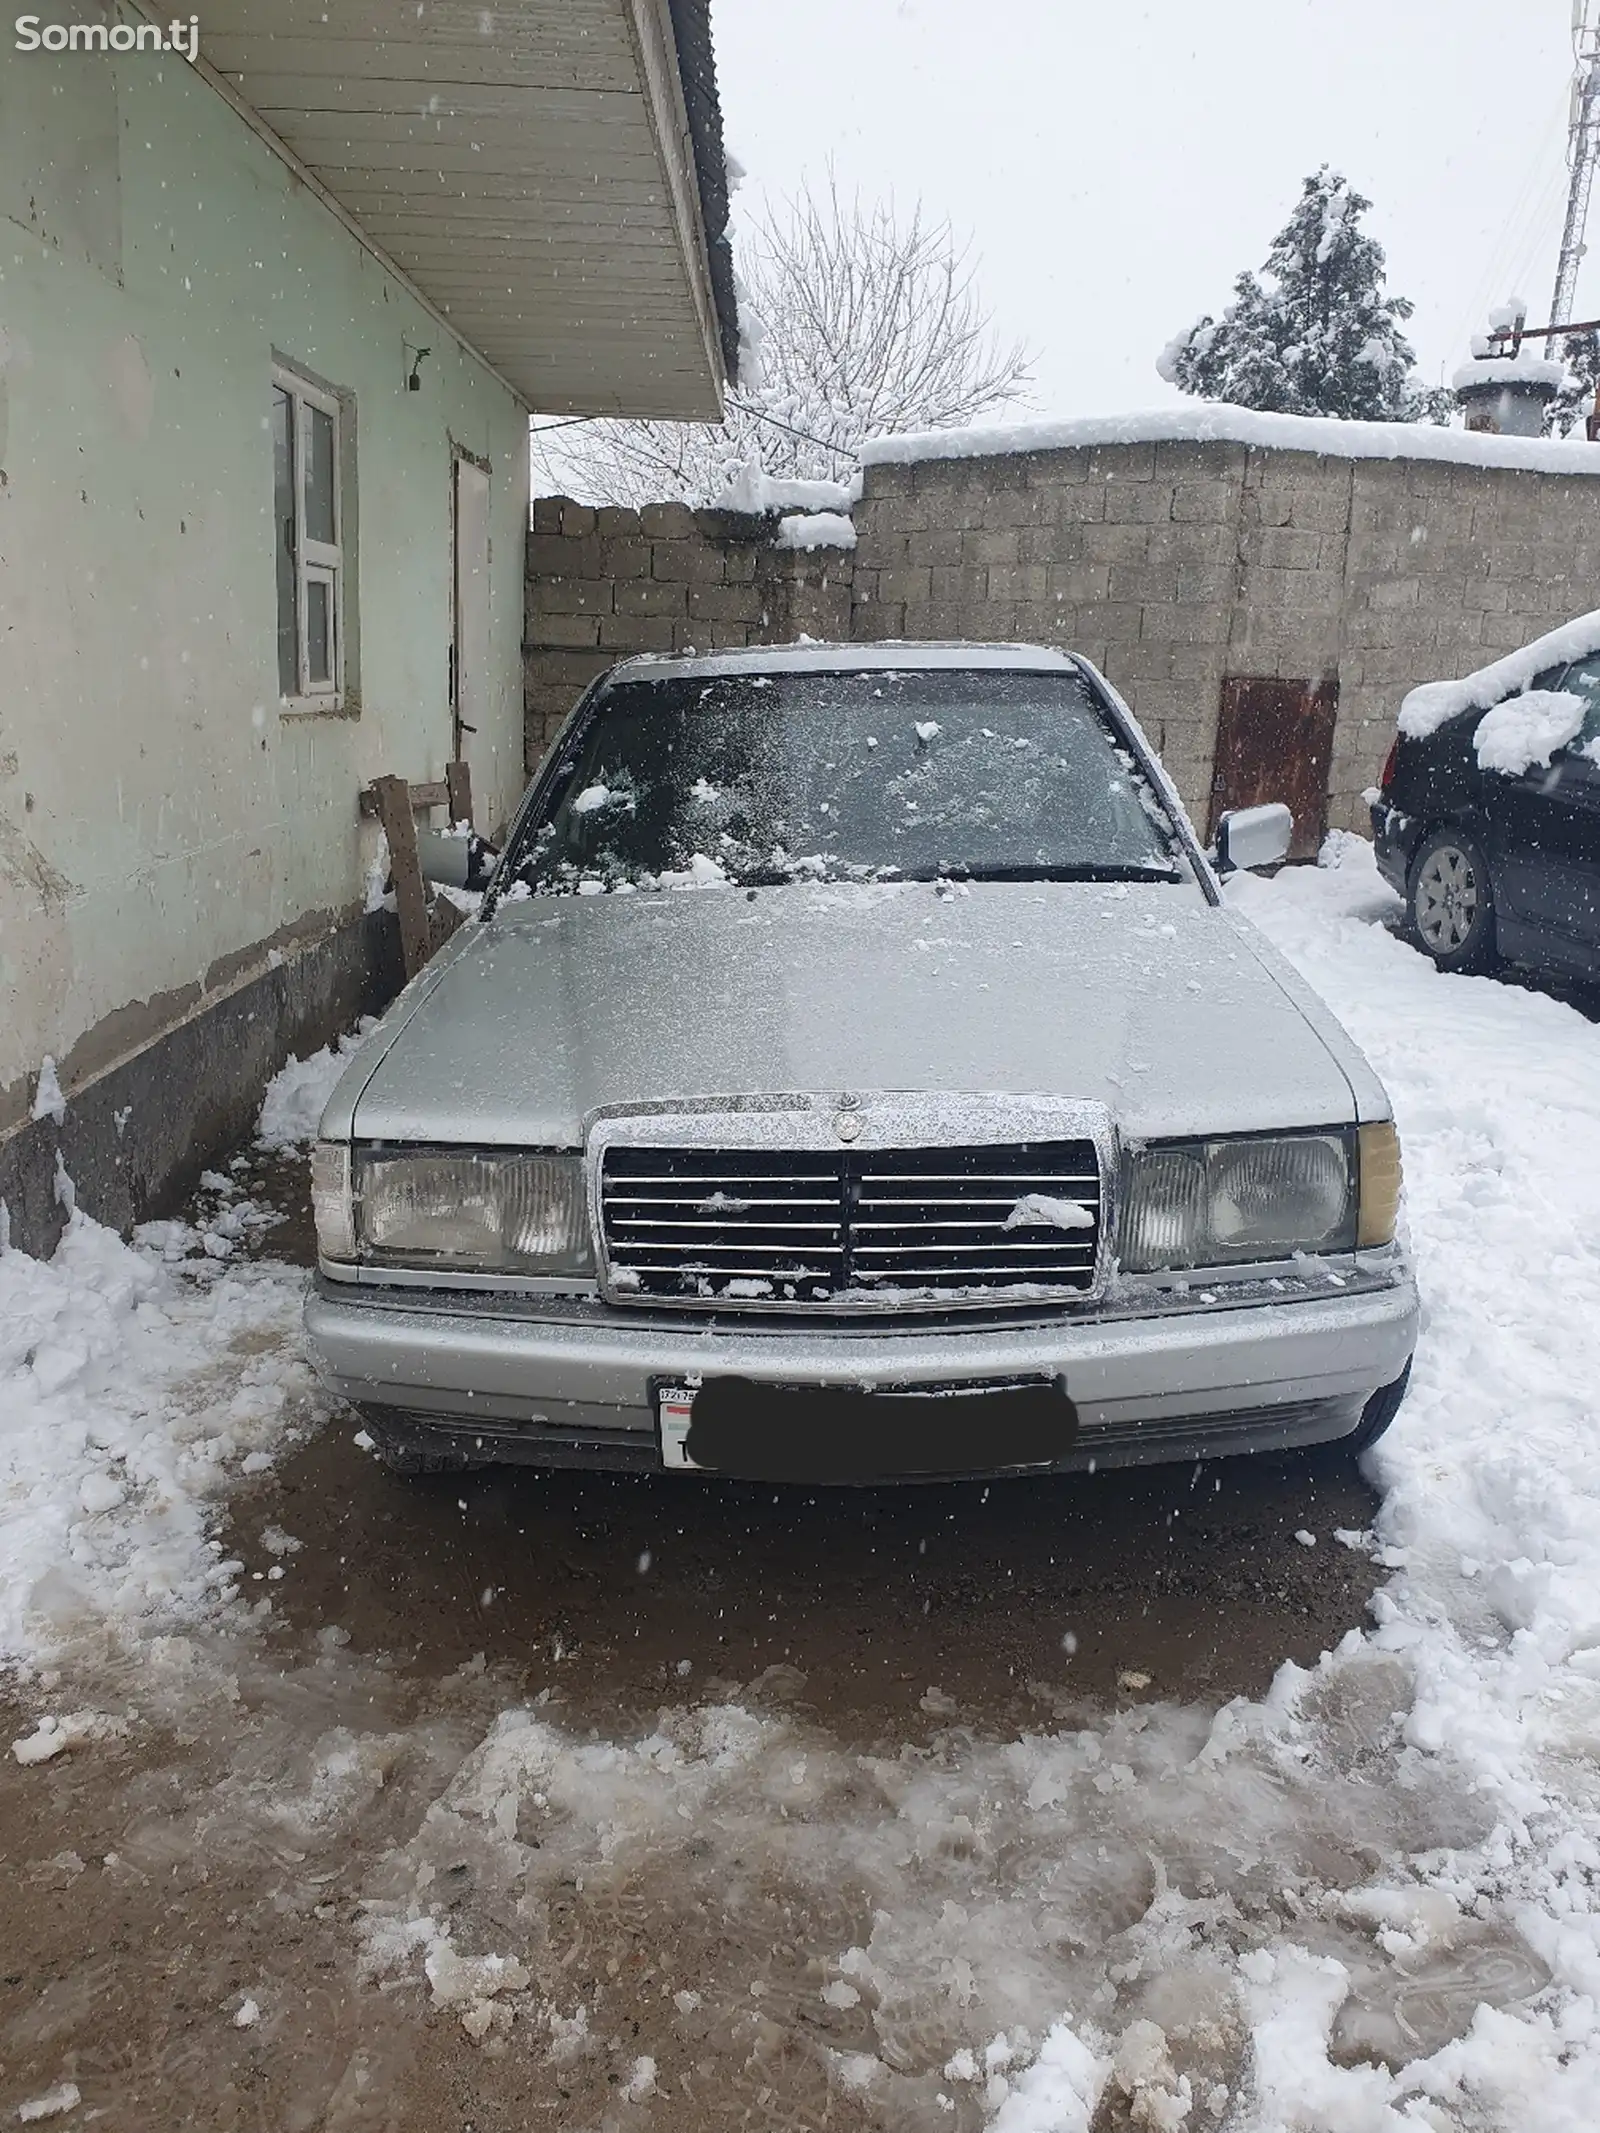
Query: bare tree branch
[[869, 325]]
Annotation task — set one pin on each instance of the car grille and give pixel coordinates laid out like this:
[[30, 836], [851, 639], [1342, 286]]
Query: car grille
[[811, 1227]]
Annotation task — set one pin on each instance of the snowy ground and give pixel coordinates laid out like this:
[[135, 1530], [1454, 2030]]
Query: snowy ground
[[1368, 1903], [136, 1383]]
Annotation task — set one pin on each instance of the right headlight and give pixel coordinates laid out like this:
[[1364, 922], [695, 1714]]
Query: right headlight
[[1222, 1202], [471, 1211]]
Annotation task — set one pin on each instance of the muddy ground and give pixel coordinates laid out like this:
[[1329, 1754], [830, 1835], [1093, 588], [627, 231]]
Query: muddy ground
[[281, 1799]]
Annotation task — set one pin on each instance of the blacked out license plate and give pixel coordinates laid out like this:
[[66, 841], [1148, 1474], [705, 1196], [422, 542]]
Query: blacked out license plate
[[825, 1433]]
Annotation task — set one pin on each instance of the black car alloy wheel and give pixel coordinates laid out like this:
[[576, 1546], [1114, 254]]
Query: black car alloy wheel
[[1451, 902]]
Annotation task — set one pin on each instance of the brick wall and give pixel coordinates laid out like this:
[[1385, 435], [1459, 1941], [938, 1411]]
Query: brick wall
[[1173, 565], [604, 583]]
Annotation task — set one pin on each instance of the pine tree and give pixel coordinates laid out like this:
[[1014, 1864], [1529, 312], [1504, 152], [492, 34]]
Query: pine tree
[[1314, 334], [1569, 411]]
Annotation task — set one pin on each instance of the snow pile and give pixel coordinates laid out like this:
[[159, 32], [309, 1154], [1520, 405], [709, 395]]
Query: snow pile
[[298, 1093], [54, 1735], [1489, 366], [751, 488], [1038, 1210], [1513, 311], [133, 1394], [702, 872], [48, 1101], [1059, 2092], [1215, 422], [1424, 710], [1528, 729], [815, 529], [378, 894], [53, 2104], [535, 1809]]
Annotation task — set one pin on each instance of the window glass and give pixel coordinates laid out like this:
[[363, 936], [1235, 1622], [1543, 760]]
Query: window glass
[[847, 776], [319, 476], [319, 631], [283, 539], [1582, 678]]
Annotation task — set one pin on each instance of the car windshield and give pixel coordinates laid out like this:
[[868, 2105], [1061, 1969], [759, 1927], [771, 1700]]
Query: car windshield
[[867, 775]]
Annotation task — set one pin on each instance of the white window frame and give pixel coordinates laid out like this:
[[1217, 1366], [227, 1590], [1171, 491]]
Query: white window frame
[[315, 559]]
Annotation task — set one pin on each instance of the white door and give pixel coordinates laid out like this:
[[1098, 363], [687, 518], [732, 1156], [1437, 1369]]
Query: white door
[[474, 739]]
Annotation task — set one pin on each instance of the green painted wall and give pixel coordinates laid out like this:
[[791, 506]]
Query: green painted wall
[[162, 823]]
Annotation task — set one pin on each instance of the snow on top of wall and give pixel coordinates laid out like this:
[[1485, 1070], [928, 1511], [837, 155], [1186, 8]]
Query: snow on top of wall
[[1528, 729], [1427, 708], [816, 529], [751, 488], [1215, 422]]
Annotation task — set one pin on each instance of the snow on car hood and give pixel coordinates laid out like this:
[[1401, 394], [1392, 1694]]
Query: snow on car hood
[[1172, 1012]]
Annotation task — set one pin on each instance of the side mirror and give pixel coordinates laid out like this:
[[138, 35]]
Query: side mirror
[[1253, 837]]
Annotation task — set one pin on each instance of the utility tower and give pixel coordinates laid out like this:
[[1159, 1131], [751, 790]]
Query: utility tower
[[1583, 152]]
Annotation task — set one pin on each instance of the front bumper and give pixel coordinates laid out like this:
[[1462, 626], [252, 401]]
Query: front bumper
[[1231, 1372]]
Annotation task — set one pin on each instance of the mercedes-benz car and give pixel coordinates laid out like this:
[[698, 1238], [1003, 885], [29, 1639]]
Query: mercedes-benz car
[[855, 1071]]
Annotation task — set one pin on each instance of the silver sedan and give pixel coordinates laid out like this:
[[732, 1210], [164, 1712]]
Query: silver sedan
[[856, 1072]]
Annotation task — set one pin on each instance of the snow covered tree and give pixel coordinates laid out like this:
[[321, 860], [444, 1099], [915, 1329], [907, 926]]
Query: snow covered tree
[[1572, 406], [1314, 334], [862, 324]]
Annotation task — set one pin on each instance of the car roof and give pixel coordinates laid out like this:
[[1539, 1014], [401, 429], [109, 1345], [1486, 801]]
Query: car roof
[[847, 658]]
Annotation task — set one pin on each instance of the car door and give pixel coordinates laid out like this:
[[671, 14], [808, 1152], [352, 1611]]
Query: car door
[[1575, 799], [1517, 817], [1545, 828]]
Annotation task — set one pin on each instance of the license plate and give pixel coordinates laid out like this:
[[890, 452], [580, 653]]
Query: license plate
[[821, 1434], [674, 1410]]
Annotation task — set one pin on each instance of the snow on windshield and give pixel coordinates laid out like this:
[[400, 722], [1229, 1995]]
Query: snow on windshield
[[751, 779]]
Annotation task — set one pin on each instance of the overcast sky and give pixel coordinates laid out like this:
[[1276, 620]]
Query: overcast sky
[[1116, 164]]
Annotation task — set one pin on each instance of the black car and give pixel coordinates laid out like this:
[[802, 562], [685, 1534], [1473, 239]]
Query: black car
[[1500, 863]]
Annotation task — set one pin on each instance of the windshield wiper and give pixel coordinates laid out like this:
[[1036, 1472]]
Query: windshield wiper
[[1043, 871]]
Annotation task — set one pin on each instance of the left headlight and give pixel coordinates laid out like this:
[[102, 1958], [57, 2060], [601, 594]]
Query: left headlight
[[1215, 1203], [487, 1213]]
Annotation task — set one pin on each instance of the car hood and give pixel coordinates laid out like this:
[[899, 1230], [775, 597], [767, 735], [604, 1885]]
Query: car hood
[[1172, 1012]]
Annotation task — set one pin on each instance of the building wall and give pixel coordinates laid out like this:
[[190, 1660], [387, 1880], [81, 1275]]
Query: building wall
[[605, 583], [166, 830]]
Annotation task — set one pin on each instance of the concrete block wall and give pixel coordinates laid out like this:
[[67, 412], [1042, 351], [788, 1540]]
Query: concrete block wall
[[607, 582]]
